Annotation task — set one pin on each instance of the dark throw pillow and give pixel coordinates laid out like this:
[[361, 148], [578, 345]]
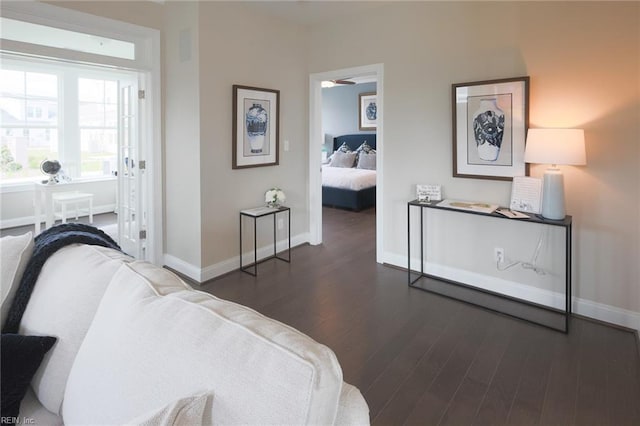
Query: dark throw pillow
[[20, 357]]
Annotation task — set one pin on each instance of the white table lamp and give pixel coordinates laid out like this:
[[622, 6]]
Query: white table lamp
[[554, 146]]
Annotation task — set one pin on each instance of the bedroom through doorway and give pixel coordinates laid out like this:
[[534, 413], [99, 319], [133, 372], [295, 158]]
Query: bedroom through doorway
[[349, 151], [345, 148]]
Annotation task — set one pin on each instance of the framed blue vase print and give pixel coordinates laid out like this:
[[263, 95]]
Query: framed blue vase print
[[490, 121], [256, 116], [368, 111]]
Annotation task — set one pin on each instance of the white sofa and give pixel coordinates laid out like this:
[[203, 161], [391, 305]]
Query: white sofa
[[137, 345]]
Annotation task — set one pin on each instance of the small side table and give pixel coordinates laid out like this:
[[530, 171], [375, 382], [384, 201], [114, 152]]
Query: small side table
[[255, 214]]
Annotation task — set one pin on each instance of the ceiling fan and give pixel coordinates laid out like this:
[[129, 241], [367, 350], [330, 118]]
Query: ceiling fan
[[343, 81], [333, 83]]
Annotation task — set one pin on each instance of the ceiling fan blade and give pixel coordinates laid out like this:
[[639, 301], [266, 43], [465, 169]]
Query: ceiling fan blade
[[345, 81]]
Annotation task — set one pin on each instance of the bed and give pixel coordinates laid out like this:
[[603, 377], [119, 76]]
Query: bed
[[349, 188]]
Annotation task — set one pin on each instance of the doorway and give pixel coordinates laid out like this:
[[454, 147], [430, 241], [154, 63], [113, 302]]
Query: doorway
[[35, 31], [316, 142]]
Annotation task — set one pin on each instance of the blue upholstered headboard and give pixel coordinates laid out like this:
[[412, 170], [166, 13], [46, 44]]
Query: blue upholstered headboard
[[354, 141]]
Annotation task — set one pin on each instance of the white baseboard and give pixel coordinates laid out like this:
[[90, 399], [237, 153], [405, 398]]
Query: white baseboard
[[607, 313], [201, 275], [584, 307], [183, 267], [30, 220]]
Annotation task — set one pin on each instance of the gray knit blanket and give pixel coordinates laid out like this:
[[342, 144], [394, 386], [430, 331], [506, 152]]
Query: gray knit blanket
[[45, 244]]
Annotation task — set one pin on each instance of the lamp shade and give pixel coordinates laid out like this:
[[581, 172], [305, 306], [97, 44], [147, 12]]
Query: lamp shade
[[555, 146]]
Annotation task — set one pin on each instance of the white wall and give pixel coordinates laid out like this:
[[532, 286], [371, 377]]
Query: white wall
[[583, 60], [340, 110], [238, 46], [182, 148]]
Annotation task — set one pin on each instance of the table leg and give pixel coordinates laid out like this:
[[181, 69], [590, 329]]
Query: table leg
[[37, 202], [421, 241], [48, 208], [255, 245], [409, 243], [289, 231], [274, 235], [240, 243]]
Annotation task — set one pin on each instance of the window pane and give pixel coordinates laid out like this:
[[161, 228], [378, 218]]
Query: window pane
[[42, 112], [12, 110], [111, 115], [11, 82], [90, 90], [99, 152], [91, 114], [111, 92], [43, 85], [22, 151]]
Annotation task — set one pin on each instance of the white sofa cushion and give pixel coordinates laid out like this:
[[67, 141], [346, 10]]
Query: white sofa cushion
[[352, 408], [32, 409], [63, 303], [151, 343], [183, 412], [15, 252]]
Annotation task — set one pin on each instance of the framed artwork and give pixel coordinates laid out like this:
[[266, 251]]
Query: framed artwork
[[490, 122], [256, 116], [428, 193], [368, 111]]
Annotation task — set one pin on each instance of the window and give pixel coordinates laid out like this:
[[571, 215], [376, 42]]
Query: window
[[98, 122], [28, 135], [58, 111], [55, 37]]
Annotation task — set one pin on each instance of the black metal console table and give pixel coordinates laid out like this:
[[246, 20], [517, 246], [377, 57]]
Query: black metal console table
[[255, 214], [502, 303]]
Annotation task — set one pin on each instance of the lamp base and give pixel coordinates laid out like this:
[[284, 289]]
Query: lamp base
[[553, 195]]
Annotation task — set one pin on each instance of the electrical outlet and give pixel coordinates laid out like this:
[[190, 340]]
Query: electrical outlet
[[498, 254], [280, 224]]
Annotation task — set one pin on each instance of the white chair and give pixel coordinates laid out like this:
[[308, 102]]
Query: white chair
[[72, 198]]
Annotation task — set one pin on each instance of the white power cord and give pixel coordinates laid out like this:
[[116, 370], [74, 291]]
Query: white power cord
[[527, 265]]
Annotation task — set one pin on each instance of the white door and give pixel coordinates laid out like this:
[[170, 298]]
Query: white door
[[131, 168]]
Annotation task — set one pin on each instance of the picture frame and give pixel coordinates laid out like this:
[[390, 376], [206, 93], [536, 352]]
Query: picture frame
[[256, 127], [526, 194], [490, 122], [367, 111], [428, 193]]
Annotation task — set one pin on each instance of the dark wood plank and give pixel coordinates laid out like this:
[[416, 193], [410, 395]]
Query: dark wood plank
[[496, 404], [99, 220], [591, 403], [403, 402], [464, 406], [560, 397], [526, 408], [622, 391], [436, 399]]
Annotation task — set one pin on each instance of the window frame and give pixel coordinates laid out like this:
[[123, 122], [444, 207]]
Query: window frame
[[68, 126]]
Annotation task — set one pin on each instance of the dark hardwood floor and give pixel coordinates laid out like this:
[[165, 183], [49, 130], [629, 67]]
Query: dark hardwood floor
[[420, 358], [99, 220]]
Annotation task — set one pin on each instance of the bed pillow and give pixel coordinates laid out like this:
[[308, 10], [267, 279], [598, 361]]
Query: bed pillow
[[344, 148], [367, 161], [364, 147], [20, 358], [343, 159], [16, 252]]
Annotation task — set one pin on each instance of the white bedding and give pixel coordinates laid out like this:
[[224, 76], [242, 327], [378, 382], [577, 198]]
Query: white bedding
[[348, 178]]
